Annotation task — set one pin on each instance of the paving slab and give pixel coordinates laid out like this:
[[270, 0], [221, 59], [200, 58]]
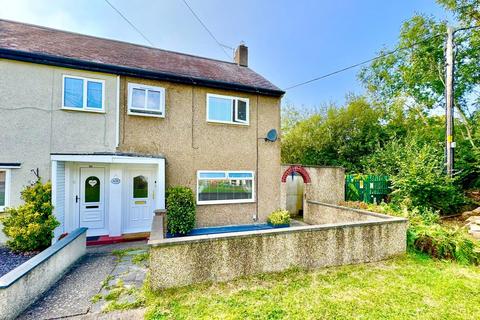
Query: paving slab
[[71, 296]]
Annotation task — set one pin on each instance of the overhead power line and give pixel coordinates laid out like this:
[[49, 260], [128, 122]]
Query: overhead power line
[[130, 23], [361, 63], [222, 46], [373, 59]]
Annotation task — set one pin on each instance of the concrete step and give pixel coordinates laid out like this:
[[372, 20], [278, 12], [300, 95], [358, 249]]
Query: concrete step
[[475, 234], [474, 219], [474, 228]]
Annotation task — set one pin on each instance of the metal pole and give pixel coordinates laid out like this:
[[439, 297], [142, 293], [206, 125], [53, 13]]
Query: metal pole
[[449, 101]]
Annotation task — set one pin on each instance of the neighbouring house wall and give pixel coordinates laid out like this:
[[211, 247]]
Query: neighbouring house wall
[[22, 286], [33, 124], [222, 257], [322, 213], [189, 144]]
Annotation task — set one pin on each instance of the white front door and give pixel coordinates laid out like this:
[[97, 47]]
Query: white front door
[[140, 203], [92, 198]]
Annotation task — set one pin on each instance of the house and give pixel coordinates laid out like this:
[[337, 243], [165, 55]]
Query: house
[[112, 124]]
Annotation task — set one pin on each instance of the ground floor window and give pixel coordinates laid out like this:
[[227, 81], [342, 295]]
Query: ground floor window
[[4, 188], [216, 187]]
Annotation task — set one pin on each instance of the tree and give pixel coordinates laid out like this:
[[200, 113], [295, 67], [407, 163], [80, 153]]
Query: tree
[[414, 74], [340, 136]]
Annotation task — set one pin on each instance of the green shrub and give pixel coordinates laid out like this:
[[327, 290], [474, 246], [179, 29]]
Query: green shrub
[[30, 226], [279, 217], [443, 242], [416, 171], [180, 210]]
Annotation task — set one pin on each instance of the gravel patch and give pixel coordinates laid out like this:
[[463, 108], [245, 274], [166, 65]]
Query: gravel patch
[[10, 260]]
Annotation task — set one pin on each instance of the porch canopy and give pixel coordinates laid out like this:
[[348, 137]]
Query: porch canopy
[[120, 205]]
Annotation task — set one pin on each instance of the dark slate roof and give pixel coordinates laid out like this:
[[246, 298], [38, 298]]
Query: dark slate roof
[[38, 44]]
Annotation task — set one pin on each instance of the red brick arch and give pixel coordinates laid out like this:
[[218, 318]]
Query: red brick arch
[[298, 169]]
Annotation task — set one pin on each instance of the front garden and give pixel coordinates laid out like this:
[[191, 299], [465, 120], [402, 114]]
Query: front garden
[[29, 227], [413, 286]]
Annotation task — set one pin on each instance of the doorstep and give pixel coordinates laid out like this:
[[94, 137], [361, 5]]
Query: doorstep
[[102, 240]]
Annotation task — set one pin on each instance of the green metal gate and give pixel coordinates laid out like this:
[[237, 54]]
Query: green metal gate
[[366, 188]]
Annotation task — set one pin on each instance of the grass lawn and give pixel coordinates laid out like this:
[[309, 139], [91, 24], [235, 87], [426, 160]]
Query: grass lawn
[[408, 287]]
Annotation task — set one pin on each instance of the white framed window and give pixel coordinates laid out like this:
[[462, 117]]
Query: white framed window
[[4, 189], [146, 100], [218, 187], [83, 94], [227, 109]]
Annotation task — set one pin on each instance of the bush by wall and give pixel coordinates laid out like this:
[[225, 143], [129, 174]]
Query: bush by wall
[[30, 226], [279, 217], [180, 210]]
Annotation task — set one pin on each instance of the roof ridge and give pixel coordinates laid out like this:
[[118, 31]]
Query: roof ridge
[[118, 41]]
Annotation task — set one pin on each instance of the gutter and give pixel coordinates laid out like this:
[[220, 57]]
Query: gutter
[[47, 59]]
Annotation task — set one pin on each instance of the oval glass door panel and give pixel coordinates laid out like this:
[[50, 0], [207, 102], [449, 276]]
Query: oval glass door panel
[[92, 189], [92, 206]]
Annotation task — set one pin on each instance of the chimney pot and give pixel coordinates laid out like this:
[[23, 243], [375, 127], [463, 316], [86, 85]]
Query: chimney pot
[[241, 55]]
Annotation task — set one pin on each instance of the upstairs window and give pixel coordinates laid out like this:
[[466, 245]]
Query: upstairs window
[[83, 94], [226, 109], [146, 100], [217, 187]]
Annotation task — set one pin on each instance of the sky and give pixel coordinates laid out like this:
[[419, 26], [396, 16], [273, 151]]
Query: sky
[[289, 41]]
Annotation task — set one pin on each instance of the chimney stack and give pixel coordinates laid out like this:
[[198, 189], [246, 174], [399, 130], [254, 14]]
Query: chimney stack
[[241, 55]]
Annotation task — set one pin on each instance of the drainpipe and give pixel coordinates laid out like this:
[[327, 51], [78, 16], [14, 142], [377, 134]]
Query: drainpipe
[[117, 118], [255, 218]]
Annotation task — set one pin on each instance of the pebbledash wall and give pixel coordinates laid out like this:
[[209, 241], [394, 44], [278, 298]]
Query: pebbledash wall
[[190, 143], [34, 124], [361, 236], [321, 183]]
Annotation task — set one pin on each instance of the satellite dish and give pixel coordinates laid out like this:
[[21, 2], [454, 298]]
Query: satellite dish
[[272, 135]]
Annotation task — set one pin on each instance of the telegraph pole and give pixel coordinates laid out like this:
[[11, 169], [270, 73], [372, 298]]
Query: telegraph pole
[[449, 101]]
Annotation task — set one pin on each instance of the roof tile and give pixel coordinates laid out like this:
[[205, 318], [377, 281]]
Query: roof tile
[[41, 40]]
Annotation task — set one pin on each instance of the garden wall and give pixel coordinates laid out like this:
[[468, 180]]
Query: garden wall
[[22, 286], [222, 257], [321, 213]]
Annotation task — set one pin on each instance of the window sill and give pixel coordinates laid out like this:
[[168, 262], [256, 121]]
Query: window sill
[[82, 110], [141, 114], [202, 203], [227, 122]]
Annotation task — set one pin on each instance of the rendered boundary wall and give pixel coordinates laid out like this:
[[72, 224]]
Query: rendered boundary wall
[[23, 285], [222, 257]]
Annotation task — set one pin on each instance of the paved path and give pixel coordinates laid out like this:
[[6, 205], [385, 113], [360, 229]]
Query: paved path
[[71, 297]]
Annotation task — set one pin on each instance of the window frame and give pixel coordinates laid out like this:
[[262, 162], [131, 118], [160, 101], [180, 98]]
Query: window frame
[[148, 113], [84, 107], [7, 189], [234, 110], [226, 172]]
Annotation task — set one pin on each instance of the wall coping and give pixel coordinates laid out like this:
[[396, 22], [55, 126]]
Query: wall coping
[[29, 265], [273, 232], [311, 166], [360, 211]]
